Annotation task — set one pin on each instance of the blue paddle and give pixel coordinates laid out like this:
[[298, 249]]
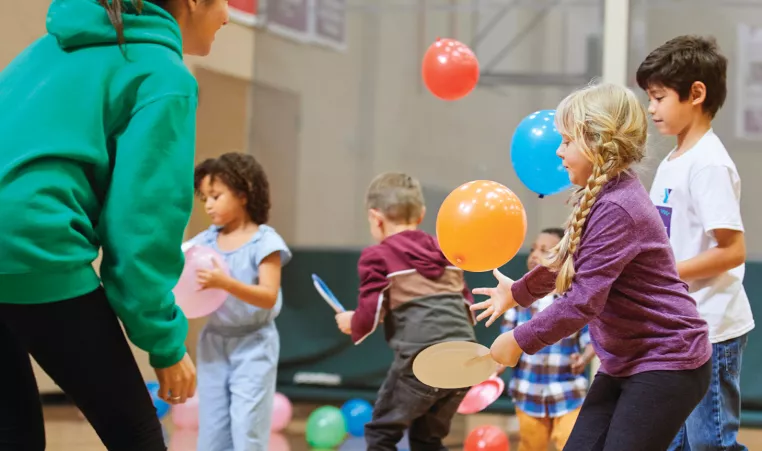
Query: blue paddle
[[326, 293]]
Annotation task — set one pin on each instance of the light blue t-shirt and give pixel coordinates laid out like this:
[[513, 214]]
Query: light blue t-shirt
[[235, 314]]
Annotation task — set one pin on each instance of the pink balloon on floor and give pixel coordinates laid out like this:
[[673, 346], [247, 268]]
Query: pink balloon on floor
[[195, 303], [183, 440], [282, 412], [185, 416], [278, 442]]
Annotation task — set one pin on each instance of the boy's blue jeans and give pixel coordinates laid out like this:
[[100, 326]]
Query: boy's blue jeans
[[713, 425]]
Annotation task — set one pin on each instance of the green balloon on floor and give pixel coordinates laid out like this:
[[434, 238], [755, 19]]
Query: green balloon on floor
[[326, 427]]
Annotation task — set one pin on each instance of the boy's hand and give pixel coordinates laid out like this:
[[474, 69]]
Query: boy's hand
[[505, 350], [500, 299], [500, 370], [578, 363], [212, 278], [344, 321]]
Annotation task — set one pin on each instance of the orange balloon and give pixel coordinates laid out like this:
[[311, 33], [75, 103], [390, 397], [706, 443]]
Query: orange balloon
[[481, 226], [450, 69]]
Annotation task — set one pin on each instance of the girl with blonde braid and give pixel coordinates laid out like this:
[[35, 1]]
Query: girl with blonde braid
[[615, 271]]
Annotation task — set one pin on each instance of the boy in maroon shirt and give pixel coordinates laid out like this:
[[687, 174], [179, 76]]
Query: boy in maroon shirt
[[407, 284]]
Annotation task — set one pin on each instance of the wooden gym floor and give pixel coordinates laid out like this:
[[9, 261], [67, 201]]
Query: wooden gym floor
[[67, 432]]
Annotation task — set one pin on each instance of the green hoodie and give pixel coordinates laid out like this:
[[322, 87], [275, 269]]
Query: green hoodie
[[97, 150]]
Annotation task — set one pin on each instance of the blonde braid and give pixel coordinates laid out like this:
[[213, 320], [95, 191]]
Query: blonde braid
[[561, 257]]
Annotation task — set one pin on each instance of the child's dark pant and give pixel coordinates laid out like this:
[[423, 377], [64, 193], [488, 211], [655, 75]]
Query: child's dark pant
[[642, 412], [405, 403]]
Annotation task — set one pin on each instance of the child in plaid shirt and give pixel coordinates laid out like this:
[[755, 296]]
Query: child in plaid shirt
[[547, 388]]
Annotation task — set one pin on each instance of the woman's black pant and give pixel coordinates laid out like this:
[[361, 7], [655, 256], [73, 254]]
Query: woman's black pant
[[80, 344]]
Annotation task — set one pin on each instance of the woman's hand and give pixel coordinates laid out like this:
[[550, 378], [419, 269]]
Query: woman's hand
[[178, 382], [505, 350], [500, 299]]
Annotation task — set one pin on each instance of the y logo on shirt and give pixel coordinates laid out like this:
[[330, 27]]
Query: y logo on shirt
[[665, 211]]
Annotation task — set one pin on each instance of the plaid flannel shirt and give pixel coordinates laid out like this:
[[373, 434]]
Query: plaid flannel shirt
[[543, 385]]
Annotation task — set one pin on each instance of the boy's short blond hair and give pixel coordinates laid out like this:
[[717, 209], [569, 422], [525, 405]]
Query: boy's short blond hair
[[397, 196]]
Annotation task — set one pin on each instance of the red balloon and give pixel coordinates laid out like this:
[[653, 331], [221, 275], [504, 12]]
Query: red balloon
[[450, 69], [487, 438]]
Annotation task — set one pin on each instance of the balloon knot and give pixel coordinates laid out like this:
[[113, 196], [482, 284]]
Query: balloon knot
[[542, 196]]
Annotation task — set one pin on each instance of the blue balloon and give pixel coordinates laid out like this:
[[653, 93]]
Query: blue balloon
[[357, 412], [162, 407], [533, 154]]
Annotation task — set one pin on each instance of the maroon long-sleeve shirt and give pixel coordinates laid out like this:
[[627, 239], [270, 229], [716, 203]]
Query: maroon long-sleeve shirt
[[408, 269], [626, 286]]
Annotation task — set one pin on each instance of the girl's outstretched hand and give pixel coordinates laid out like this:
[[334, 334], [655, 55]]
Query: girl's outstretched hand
[[500, 299]]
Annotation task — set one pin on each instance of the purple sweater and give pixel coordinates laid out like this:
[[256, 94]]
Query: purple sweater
[[626, 287]]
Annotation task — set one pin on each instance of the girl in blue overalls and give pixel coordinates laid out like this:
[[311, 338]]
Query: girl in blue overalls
[[238, 348]]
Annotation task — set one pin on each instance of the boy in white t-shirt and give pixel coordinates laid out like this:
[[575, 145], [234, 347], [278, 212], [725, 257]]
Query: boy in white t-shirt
[[697, 191]]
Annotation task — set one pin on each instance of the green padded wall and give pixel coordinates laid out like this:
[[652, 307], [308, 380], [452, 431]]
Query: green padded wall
[[317, 362]]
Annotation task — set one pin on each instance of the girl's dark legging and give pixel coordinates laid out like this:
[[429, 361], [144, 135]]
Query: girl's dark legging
[[80, 344], [642, 412]]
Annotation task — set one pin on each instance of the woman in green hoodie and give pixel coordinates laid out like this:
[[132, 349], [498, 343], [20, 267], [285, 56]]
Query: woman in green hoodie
[[97, 137]]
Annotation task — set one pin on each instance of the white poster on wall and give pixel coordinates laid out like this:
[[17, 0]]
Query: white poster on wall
[[290, 19], [330, 28], [322, 22], [243, 12], [749, 86]]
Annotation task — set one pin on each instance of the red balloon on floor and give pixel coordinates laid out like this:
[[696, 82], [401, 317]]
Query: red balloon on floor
[[450, 69], [487, 438]]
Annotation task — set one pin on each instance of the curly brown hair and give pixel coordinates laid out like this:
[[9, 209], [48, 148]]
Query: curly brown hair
[[244, 176]]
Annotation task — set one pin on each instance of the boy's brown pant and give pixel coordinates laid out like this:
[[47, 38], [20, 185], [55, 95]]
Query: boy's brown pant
[[536, 433]]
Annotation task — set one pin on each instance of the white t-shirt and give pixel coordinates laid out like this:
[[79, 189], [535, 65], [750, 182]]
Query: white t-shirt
[[696, 193]]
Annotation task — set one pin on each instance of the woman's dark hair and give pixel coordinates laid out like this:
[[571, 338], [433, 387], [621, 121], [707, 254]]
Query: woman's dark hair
[[244, 176], [114, 9]]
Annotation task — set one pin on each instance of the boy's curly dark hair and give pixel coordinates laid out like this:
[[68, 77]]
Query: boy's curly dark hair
[[244, 176], [684, 60]]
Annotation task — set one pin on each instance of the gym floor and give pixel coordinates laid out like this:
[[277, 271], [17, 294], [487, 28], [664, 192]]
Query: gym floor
[[67, 432]]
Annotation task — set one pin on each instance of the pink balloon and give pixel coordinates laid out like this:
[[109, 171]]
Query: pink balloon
[[183, 440], [185, 416], [193, 302], [278, 442], [282, 413]]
